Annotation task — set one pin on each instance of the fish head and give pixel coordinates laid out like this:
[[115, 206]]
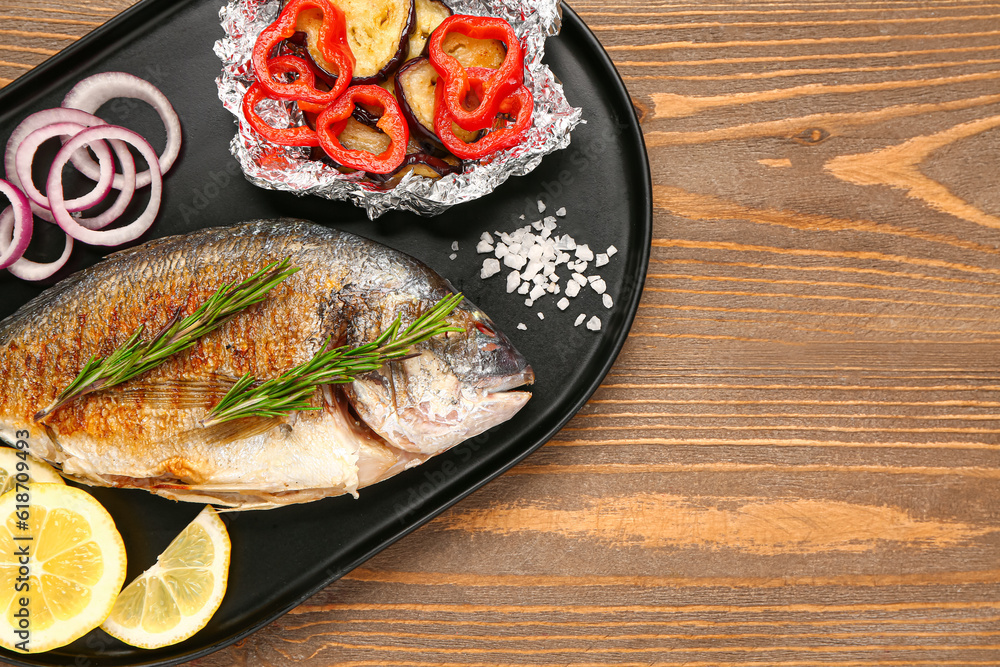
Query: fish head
[[454, 387]]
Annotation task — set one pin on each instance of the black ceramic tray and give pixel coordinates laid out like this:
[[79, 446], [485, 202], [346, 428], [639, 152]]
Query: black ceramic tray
[[281, 557]]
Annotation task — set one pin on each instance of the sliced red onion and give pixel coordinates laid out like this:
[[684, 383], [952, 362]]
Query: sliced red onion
[[115, 211], [24, 156], [29, 125], [20, 212], [109, 237], [24, 268], [95, 90]]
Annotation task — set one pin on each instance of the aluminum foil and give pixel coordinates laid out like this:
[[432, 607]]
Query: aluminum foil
[[292, 170]]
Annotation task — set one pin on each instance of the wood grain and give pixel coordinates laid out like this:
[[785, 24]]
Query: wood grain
[[795, 461]]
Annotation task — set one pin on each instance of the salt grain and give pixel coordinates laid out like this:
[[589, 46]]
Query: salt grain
[[483, 246], [572, 288], [536, 292], [561, 211], [491, 267], [594, 324], [579, 320], [534, 266], [607, 301], [523, 289], [580, 279], [486, 238], [522, 327], [599, 286], [454, 245], [602, 259], [541, 206], [612, 250], [541, 316], [513, 280], [453, 256], [584, 252], [515, 262], [563, 303]]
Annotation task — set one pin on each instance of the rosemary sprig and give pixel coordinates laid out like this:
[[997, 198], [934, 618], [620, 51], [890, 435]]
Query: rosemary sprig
[[292, 390], [136, 356]]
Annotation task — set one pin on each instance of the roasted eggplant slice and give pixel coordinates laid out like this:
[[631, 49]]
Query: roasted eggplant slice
[[415, 83], [430, 13], [378, 32], [474, 52], [421, 164], [359, 137]]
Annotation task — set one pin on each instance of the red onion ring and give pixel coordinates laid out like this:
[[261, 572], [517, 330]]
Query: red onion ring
[[90, 93], [24, 156], [23, 224], [54, 187], [115, 211], [30, 124], [24, 268]]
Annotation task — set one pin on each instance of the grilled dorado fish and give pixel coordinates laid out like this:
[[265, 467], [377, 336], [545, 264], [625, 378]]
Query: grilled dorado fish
[[146, 433]]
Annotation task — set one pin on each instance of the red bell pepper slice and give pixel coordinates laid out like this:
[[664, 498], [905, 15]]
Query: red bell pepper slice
[[332, 44], [290, 136], [520, 103], [456, 82], [334, 118]]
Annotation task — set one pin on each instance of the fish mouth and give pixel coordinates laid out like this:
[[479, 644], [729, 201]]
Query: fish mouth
[[501, 383]]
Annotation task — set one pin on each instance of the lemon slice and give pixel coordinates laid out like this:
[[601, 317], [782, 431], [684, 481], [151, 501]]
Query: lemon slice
[[62, 563], [178, 595], [13, 461]]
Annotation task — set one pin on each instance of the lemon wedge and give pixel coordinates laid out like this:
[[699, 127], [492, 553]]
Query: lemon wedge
[[13, 461], [178, 595], [62, 563]]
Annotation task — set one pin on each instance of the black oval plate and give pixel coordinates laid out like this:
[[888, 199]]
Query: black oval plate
[[281, 557]]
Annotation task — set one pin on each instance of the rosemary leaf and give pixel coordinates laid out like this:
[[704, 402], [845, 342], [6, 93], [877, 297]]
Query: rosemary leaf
[[135, 357], [292, 390]]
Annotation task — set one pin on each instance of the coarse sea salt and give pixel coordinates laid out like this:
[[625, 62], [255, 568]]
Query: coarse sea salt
[[522, 326], [491, 267], [534, 252]]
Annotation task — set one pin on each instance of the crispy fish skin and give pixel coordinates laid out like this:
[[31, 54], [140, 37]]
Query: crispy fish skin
[[146, 433]]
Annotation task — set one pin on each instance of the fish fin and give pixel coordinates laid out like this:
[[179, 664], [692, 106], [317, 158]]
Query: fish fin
[[178, 393], [237, 429]]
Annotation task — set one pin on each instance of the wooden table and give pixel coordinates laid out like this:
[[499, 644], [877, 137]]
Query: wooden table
[[795, 460]]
